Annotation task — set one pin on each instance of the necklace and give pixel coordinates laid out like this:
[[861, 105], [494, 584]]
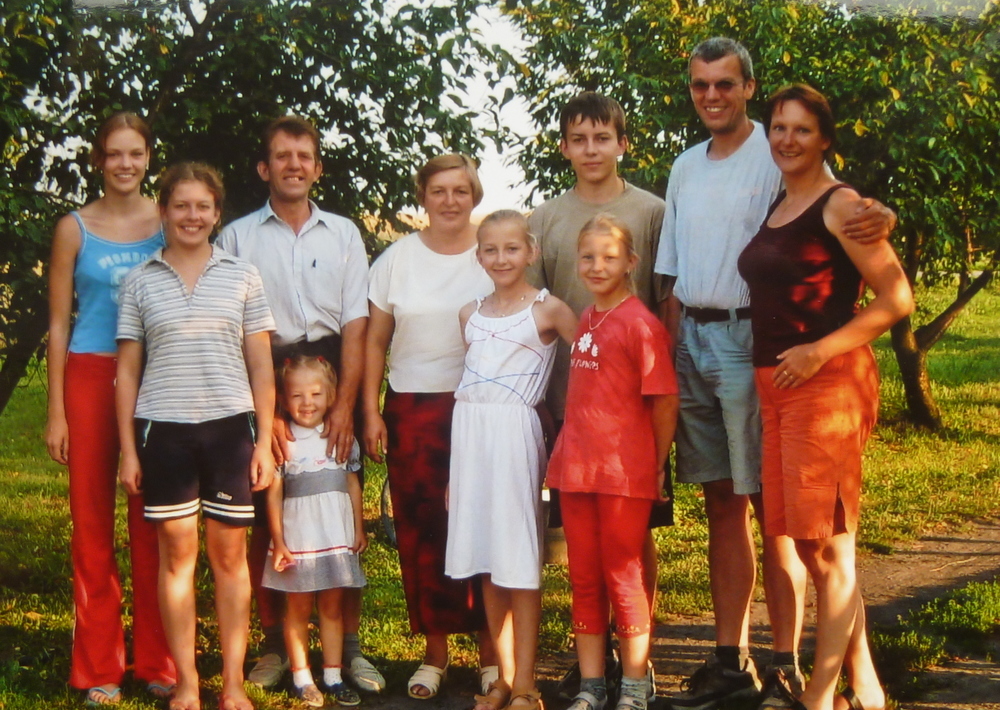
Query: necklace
[[495, 305], [590, 316]]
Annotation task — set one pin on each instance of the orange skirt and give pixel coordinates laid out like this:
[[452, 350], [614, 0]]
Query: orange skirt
[[814, 436]]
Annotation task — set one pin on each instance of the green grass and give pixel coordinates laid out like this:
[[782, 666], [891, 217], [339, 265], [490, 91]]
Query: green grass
[[915, 482], [961, 623]]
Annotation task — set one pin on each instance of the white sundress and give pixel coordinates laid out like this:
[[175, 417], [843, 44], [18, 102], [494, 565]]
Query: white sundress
[[498, 452], [317, 517]]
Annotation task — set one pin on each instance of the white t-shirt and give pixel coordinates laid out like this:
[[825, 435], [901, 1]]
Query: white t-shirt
[[424, 291], [714, 207]]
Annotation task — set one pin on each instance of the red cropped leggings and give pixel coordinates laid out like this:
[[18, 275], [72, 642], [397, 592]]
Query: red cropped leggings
[[98, 635], [605, 535]]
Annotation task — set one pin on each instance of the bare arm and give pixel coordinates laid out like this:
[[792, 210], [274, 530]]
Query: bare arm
[[257, 351], [880, 270], [670, 311], [354, 491], [128, 374], [555, 319], [463, 319], [380, 329], [281, 557], [665, 407], [339, 425], [65, 246]]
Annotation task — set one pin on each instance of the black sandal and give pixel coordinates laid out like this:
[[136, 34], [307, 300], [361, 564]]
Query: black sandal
[[852, 699]]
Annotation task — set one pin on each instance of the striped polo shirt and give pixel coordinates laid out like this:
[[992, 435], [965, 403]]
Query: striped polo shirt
[[195, 370]]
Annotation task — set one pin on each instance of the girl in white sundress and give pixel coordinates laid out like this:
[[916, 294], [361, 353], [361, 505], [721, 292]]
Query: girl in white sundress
[[314, 510], [498, 452]]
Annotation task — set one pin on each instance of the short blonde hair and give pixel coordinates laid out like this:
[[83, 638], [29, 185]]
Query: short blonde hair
[[449, 161]]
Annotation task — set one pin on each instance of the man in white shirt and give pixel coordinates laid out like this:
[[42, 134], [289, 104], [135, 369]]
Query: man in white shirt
[[717, 197], [315, 274]]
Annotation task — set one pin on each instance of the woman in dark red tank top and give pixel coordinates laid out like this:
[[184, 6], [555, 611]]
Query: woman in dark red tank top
[[818, 382]]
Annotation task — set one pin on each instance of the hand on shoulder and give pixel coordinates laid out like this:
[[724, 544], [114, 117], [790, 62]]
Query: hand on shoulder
[[840, 209]]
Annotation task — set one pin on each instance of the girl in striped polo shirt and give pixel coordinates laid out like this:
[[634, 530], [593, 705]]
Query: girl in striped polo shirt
[[195, 421]]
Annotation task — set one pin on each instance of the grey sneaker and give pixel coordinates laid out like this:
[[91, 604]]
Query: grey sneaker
[[364, 675], [268, 671], [782, 687], [713, 684]]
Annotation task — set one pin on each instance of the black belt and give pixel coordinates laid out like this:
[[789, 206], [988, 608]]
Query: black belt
[[715, 315]]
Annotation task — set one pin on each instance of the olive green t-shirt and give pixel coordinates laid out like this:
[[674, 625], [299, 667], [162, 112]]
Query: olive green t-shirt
[[557, 224]]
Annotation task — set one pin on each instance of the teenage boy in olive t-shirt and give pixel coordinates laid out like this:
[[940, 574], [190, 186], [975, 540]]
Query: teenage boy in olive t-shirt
[[593, 138]]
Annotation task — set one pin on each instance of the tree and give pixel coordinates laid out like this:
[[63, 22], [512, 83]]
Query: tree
[[916, 95], [31, 32], [384, 87]]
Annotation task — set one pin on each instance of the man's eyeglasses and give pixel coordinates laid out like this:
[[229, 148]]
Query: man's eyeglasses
[[723, 87]]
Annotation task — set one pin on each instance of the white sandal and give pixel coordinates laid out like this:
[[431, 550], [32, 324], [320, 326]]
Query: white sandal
[[488, 675], [426, 676]]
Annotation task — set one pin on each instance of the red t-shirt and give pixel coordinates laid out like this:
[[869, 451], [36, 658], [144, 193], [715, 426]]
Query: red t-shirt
[[606, 444]]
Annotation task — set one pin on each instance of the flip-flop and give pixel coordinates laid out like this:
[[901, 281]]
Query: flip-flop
[[160, 690], [98, 696]]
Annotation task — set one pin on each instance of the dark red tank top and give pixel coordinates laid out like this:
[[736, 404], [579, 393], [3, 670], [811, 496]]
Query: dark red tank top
[[803, 286]]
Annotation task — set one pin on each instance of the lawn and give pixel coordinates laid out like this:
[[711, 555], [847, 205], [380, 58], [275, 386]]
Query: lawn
[[915, 482]]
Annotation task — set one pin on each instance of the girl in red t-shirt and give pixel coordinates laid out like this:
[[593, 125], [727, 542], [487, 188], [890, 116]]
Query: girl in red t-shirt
[[608, 463]]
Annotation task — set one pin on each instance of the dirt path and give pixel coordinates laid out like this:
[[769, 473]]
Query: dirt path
[[893, 584]]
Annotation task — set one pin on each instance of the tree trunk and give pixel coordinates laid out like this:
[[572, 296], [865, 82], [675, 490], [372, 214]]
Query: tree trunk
[[911, 348], [19, 353], [912, 361]]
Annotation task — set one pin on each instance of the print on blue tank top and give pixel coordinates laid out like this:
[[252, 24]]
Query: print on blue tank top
[[101, 266]]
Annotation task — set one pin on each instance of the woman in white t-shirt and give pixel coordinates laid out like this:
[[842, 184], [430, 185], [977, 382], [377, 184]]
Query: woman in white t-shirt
[[416, 289]]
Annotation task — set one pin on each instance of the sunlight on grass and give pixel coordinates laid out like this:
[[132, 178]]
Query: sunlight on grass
[[915, 482]]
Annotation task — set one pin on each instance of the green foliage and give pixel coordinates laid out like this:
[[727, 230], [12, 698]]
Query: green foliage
[[31, 32], [916, 96], [381, 81]]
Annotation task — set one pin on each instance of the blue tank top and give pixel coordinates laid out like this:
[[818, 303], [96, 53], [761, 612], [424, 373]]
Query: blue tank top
[[101, 266]]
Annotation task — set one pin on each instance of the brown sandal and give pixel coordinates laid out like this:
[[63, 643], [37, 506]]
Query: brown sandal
[[534, 701], [497, 697]]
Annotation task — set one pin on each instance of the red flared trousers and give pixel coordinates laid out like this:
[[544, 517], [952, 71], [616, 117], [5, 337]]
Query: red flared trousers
[[98, 636]]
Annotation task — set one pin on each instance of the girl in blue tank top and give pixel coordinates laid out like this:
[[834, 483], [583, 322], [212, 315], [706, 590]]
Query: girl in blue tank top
[[92, 250]]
